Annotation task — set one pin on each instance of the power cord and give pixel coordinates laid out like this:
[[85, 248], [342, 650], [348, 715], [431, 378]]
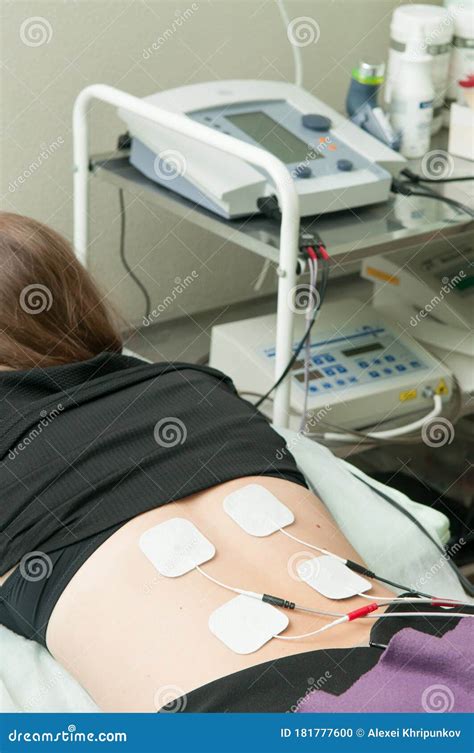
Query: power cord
[[123, 258], [324, 281], [392, 433], [416, 178], [404, 188], [466, 584]]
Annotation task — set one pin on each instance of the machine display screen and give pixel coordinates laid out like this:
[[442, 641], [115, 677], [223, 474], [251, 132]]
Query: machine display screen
[[362, 349], [311, 376], [272, 136]]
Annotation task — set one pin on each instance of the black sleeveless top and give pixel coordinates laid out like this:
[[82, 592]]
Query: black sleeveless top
[[90, 445]]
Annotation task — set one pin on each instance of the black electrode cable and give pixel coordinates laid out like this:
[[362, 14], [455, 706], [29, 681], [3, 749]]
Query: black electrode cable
[[299, 347], [354, 566], [415, 178], [123, 258], [404, 188], [466, 584], [361, 570]]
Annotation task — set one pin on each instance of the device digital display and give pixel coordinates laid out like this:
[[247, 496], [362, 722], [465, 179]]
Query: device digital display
[[272, 136], [362, 349], [312, 375]]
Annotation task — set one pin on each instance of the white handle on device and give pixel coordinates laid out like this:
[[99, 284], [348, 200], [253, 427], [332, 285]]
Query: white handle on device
[[391, 433], [284, 188]]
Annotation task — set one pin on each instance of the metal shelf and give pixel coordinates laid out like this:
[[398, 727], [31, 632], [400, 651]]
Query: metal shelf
[[352, 235]]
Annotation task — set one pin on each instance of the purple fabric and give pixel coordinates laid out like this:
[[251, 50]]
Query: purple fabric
[[416, 673]]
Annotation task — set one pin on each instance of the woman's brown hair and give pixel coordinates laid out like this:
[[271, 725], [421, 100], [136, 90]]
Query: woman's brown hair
[[51, 311]]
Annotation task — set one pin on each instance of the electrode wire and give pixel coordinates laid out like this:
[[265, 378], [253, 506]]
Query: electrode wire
[[312, 306], [415, 614], [313, 546], [415, 600], [341, 618], [354, 566], [313, 632], [260, 596], [346, 618]]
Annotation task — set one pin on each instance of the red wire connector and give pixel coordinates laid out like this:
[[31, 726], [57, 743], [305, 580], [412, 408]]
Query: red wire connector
[[445, 603], [362, 611], [323, 251]]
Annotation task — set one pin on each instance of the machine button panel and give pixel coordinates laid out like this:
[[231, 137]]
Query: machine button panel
[[316, 122], [345, 165], [303, 171], [369, 355]]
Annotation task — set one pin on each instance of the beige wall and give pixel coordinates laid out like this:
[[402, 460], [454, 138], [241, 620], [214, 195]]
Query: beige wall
[[88, 41]]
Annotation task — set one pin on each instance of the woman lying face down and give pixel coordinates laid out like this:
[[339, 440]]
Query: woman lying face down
[[97, 448]]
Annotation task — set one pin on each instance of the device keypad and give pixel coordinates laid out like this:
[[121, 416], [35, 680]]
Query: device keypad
[[368, 356]]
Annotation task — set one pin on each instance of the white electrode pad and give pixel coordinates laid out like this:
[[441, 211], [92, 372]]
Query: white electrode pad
[[245, 624], [331, 578], [176, 547], [257, 510]]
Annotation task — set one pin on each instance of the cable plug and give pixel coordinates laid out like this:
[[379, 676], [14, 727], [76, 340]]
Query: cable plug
[[268, 205], [398, 186], [362, 611], [360, 569], [277, 602], [411, 175], [306, 240], [124, 142]]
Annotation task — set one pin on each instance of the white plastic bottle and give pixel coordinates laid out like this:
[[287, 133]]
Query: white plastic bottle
[[411, 101], [436, 25], [462, 55]]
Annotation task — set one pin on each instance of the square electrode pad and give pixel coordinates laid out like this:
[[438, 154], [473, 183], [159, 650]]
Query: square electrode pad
[[257, 510], [331, 578], [245, 624], [176, 547]]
